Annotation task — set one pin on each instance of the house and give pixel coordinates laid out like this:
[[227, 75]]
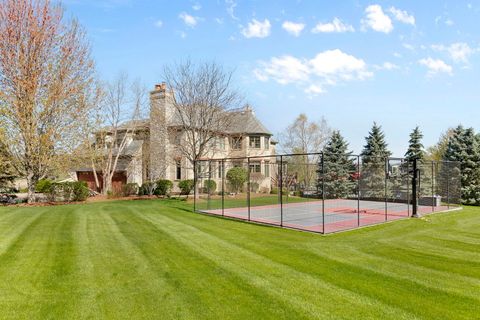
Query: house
[[152, 152]]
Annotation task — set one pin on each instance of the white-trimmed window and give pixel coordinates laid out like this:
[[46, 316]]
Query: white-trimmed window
[[266, 169], [255, 167], [254, 142], [236, 143], [266, 143]]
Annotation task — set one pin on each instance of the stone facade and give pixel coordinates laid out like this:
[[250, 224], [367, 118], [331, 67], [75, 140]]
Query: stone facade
[[152, 153]]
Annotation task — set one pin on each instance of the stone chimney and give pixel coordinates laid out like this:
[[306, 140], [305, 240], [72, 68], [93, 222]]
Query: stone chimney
[[161, 112]]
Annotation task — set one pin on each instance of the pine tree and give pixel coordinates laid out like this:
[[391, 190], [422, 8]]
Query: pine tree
[[338, 168], [464, 147], [374, 161], [7, 172], [415, 147]]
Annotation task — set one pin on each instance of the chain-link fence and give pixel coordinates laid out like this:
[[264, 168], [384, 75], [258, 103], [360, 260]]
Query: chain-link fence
[[322, 192]]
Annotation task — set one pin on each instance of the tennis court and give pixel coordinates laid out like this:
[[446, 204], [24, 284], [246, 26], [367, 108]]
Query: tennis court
[[324, 216], [325, 193]]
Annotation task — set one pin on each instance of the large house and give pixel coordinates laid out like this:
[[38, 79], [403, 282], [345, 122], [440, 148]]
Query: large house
[[151, 152]]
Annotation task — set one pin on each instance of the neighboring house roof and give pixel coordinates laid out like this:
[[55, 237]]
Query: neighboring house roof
[[132, 148]]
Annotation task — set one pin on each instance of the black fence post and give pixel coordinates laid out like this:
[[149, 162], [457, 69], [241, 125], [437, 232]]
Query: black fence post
[[194, 185], [281, 190], [414, 190], [386, 187], [323, 193], [358, 191], [209, 183], [223, 186], [408, 188], [448, 184], [248, 187], [433, 188]]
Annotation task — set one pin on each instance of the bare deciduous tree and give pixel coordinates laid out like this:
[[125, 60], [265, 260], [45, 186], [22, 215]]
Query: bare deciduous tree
[[305, 136], [120, 111], [203, 96], [45, 68]]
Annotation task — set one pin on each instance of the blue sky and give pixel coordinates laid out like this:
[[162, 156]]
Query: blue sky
[[399, 63]]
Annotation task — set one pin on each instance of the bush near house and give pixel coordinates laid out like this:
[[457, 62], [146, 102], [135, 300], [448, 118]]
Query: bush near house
[[237, 177], [163, 187], [43, 185], [186, 186], [210, 186], [147, 189], [67, 191], [130, 189]]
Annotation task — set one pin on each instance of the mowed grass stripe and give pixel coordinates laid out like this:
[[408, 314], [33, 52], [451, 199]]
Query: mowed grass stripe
[[155, 259], [364, 280], [279, 280], [193, 276]]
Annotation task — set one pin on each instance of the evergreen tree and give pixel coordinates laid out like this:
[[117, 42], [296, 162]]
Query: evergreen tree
[[464, 147], [338, 168], [415, 147], [374, 161], [7, 171]]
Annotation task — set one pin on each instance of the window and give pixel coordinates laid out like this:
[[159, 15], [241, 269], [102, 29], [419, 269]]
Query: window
[[237, 143], [178, 173], [254, 142], [266, 143], [221, 143], [220, 170], [255, 168], [267, 169]]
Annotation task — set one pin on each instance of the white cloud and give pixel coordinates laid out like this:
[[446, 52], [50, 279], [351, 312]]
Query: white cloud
[[387, 66], [449, 22], [408, 46], [189, 20], [459, 52], [402, 16], [231, 5], [376, 19], [197, 6], [435, 66], [257, 29], [285, 69], [158, 23], [293, 28], [327, 68], [335, 26]]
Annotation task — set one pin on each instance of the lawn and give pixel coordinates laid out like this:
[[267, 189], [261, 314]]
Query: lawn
[[156, 260]]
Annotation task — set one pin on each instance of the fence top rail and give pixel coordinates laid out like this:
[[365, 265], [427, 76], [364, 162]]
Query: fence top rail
[[312, 154]]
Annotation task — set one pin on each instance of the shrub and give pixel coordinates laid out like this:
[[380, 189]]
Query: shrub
[[130, 189], [80, 191], [186, 186], [254, 186], [210, 186], [237, 177], [43, 186], [147, 188], [163, 187]]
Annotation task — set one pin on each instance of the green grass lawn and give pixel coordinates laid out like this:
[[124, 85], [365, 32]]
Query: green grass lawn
[[157, 260]]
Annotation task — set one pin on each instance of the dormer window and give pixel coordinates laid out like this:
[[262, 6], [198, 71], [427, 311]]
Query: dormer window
[[254, 142], [236, 143]]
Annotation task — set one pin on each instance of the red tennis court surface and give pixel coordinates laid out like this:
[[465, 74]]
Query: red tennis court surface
[[338, 214]]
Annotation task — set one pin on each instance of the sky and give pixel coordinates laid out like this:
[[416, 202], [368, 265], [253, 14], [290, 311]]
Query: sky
[[398, 63]]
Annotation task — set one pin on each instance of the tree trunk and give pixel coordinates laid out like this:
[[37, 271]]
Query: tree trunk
[[31, 183], [107, 184]]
